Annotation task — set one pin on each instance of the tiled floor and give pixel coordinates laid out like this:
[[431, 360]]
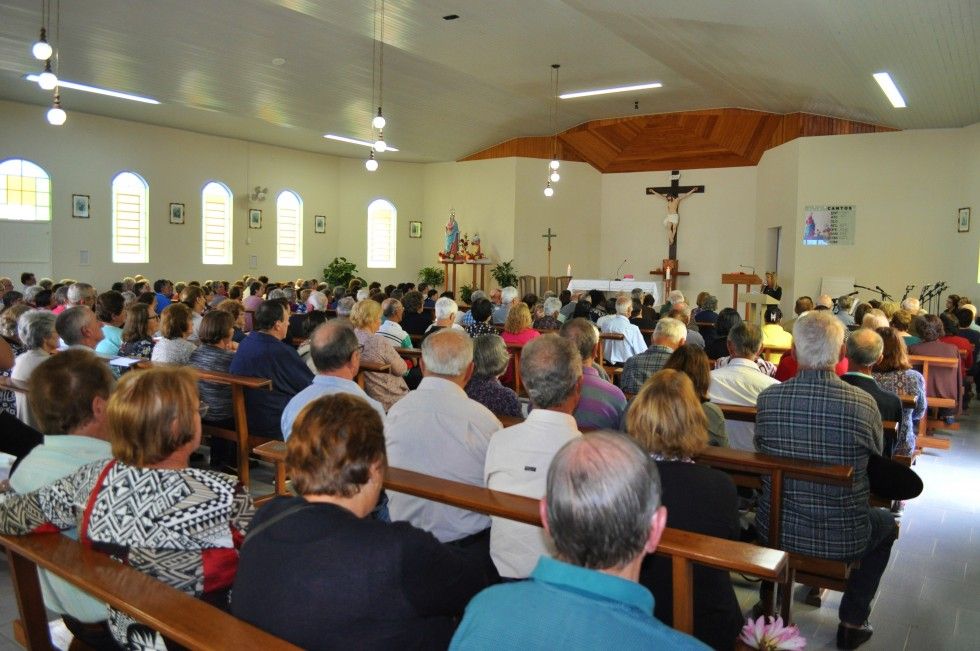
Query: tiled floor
[[930, 594]]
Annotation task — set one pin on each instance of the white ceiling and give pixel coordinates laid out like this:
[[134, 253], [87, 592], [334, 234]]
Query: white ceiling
[[456, 87]]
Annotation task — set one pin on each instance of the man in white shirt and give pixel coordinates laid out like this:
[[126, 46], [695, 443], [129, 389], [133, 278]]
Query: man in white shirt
[[740, 382], [618, 351], [507, 296], [439, 431], [519, 456]]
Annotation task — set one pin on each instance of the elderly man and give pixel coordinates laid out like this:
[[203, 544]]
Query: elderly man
[[682, 312], [602, 403], [618, 351], [588, 596], [569, 308], [675, 296], [77, 294], [668, 336], [864, 350], [818, 417], [79, 327], [519, 456], [438, 430], [391, 329], [507, 296], [844, 305], [740, 381], [336, 356], [445, 310], [263, 354], [68, 394], [465, 319], [802, 305]]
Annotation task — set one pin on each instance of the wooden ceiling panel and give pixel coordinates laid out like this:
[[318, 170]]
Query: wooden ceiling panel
[[727, 137]]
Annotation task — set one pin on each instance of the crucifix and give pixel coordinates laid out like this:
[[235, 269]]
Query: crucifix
[[673, 194], [549, 235]]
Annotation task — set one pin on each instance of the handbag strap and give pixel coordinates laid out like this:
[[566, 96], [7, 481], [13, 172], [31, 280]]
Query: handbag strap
[[293, 508]]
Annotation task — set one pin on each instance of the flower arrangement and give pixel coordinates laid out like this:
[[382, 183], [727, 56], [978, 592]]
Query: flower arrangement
[[771, 636]]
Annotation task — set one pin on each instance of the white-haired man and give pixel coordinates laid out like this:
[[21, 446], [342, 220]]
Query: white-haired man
[[507, 296], [438, 430], [668, 336], [675, 296], [519, 456], [818, 417], [618, 351], [911, 305], [588, 596], [445, 311]]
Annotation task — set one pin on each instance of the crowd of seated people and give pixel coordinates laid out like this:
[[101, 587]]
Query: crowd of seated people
[[438, 412]]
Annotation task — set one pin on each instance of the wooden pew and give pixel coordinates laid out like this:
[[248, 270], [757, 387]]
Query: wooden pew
[[684, 548], [923, 441], [180, 617], [927, 365], [369, 367], [770, 352]]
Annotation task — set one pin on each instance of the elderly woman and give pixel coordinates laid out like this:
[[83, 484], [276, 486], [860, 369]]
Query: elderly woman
[[111, 310], [490, 360], [944, 382], [8, 331], [317, 301], [894, 373], [387, 388], [517, 332], [481, 312], [552, 306], [40, 339], [667, 421], [215, 353], [180, 518], [902, 321], [692, 361], [137, 334], [383, 585], [175, 326], [415, 320], [252, 301]]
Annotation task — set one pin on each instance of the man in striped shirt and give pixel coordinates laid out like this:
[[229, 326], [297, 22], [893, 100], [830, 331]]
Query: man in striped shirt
[[602, 403]]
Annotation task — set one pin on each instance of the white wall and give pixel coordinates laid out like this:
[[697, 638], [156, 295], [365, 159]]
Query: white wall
[[715, 235], [776, 194]]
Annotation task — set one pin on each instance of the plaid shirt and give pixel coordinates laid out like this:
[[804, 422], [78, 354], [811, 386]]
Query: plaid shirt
[[638, 368], [818, 417]]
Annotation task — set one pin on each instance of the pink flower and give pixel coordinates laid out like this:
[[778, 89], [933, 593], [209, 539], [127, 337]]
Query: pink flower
[[771, 636]]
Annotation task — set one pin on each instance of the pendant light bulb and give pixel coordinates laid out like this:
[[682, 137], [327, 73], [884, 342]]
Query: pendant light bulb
[[42, 50], [371, 164], [548, 190], [554, 164], [555, 177], [379, 120], [57, 116], [380, 146], [47, 79]]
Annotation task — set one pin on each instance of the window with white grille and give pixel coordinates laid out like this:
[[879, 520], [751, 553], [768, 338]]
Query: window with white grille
[[130, 227], [216, 223], [381, 230], [289, 229], [25, 191]]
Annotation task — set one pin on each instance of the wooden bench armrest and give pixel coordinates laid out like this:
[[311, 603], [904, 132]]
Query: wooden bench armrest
[[738, 412], [10, 384], [228, 378], [179, 616], [373, 367], [409, 353], [756, 463]]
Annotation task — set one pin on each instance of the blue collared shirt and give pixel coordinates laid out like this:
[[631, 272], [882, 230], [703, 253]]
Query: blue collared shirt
[[563, 606], [323, 385]]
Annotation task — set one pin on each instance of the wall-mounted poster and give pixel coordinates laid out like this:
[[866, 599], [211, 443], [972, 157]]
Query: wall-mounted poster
[[828, 225]]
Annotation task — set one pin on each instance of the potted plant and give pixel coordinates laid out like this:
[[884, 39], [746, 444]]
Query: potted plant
[[339, 272], [505, 274], [432, 276], [466, 294]]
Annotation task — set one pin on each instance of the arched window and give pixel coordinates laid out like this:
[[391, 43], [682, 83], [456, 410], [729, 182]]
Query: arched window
[[289, 229], [130, 227], [25, 191], [381, 231], [216, 223]]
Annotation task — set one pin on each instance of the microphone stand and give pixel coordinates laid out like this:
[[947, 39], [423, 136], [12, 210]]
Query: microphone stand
[[877, 289]]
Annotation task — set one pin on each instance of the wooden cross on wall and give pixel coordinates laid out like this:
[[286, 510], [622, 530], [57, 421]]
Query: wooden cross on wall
[[549, 235], [676, 189]]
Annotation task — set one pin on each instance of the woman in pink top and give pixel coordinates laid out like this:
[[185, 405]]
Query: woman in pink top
[[517, 331], [252, 302]]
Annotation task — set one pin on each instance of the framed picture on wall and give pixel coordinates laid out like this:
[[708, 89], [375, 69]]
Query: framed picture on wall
[[80, 206], [415, 229], [254, 218], [963, 220], [176, 213], [319, 223]]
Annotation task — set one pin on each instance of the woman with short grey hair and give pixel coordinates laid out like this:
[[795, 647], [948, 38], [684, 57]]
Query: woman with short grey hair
[[36, 331], [490, 360], [552, 306]]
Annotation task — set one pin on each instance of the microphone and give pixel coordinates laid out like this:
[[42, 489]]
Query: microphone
[[884, 294], [619, 268]]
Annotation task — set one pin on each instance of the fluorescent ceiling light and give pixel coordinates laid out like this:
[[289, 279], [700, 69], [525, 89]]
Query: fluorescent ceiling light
[[606, 91], [890, 89], [355, 141], [99, 91]]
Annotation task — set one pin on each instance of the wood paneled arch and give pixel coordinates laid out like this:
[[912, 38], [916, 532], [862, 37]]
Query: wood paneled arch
[[725, 137]]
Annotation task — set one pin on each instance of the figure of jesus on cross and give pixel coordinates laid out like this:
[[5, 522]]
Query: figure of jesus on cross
[[672, 195]]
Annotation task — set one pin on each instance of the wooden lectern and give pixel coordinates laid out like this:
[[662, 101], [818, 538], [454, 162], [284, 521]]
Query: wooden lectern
[[755, 306], [737, 279]]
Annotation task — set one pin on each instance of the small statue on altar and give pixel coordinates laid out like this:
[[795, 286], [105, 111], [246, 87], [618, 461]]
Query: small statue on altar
[[450, 250], [477, 253]]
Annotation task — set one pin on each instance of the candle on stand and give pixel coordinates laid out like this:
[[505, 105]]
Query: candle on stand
[[568, 271]]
